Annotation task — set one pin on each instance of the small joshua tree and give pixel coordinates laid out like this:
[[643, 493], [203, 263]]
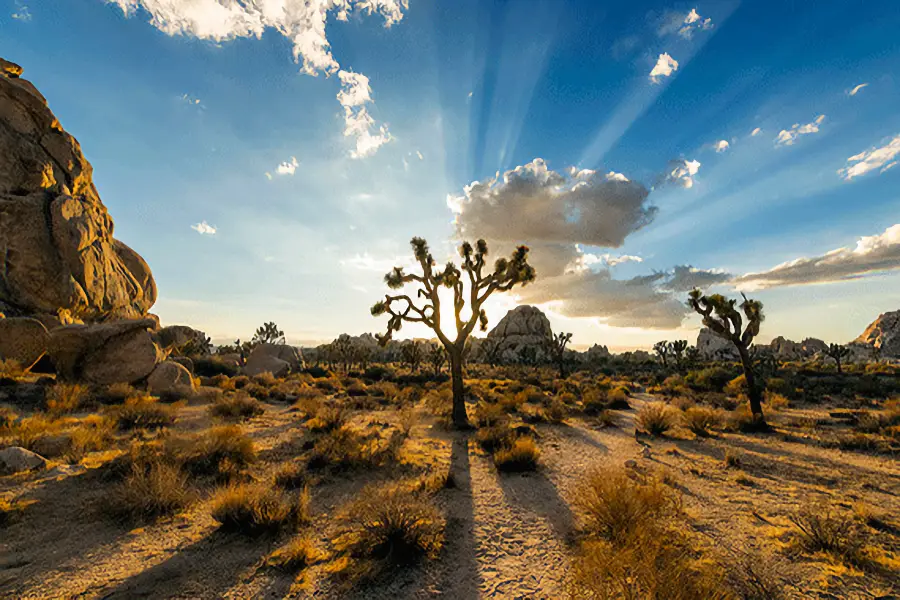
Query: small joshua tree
[[723, 319], [412, 354], [838, 352], [489, 350], [506, 274], [437, 357], [676, 349], [268, 333], [556, 347], [662, 349]]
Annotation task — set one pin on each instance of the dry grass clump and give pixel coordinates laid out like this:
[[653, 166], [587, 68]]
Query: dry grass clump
[[822, 529], [346, 449], [606, 418], [11, 368], [115, 393], [733, 459], [143, 413], [699, 420], [264, 379], [488, 414], [152, 489], [221, 452], [254, 508], [296, 555], [392, 526], [522, 455], [775, 401], [292, 477], [7, 420], [236, 407], [328, 418], [95, 433], [66, 398], [656, 418], [29, 432]]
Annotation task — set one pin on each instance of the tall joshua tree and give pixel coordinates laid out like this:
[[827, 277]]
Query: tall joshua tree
[[506, 274], [723, 319], [676, 349], [662, 349], [268, 333], [556, 346], [412, 353], [838, 353]]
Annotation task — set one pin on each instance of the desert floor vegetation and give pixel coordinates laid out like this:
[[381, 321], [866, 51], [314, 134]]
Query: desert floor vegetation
[[602, 485]]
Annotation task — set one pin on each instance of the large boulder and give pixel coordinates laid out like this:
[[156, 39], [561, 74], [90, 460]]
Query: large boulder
[[15, 460], [183, 338], [883, 335], [288, 354], [169, 377], [105, 353], [23, 340], [56, 237], [714, 347], [263, 363], [524, 327]]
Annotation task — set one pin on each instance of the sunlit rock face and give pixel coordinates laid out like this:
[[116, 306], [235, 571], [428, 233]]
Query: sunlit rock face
[[883, 334], [522, 327], [59, 261], [714, 347]]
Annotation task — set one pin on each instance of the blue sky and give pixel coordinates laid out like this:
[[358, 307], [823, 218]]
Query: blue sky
[[190, 119]]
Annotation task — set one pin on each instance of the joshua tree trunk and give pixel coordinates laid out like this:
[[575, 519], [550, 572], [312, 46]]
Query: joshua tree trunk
[[460, 419], [753, 390], [838, 361]]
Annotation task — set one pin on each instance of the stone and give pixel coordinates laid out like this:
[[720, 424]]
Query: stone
[[169, 377], [524, 327], [283, 352], [16, 460], [714, 347], [23, 340], [883, 335], [105, 353], [264, 363], [184, 339], [56, 235], [630, 464], [185, 362]]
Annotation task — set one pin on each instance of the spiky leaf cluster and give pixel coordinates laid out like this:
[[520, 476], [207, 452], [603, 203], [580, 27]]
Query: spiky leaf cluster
[[724, 319]]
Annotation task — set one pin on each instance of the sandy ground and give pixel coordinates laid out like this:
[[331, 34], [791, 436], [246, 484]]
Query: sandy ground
[[508, 536]]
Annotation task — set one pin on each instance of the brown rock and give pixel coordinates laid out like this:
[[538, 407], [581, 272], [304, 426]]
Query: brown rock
[[263, 363], [10, 69], [170, 377], [883, 335], [23, 340], [16, 459]]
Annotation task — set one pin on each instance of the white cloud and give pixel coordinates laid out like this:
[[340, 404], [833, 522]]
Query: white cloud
[[872, 254], [367, 262], [301, 22], [721, 145], [857, 89], [21, 13], [787, 137], [613, 176], [586, 260], [288, 167], [874, 158], [681, 172], [419, 154], [756, 132], [693, 22], [189, 99], [665, 66], [268, 176], [204, 228]]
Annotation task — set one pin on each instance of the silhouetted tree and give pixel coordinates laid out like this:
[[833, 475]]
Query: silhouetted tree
[[505, 275], [662, 350], [724, 320], [437, 357], [676, 349], [268, 333], [490, 350], [412, 354], [556, 348], [838, 353], [692, 357]]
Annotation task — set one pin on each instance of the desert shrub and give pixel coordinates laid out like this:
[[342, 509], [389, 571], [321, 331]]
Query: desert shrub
[[593, 400], [254, 508], [530, 395], [385, 389], [391, 525], [606, 418], [357, 389], [220, 452], [236, 407], [556, 410], [296, 555], [11, 369], [618, 398], [292, 477], [775, 401], [329, 384], [711, 379], [143, 413], [733, 459], [7, 419], [699, 420], [264, 379], [94, 433], [488, 415], [318, 372], [495, 436], [777, 385], [737, 386], [378, 373], [345, 448], [406, 420], [682, 403], [821, 529], [655, 418], [31, 431], [212, 366], [328, 418], [741, 419], [522, 455], [151, 490], [116, 393], [65, 398]]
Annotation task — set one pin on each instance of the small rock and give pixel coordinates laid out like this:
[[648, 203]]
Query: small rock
[[170, 377], [10, 69], [630, 464], [645, 452], [16, 460]]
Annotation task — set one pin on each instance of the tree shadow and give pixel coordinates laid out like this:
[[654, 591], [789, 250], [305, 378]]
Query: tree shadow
[[582, 435], [536, 493]]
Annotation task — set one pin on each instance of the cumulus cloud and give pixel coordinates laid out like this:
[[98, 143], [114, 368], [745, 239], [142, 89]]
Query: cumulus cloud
[[204, 228], [787, 137], [872, 254], [882, 158], [721, 145], [684, 278], [681, 172], [664, 67], [21, 13], [536, 204], [288, 167], [303, 23], [857, 89], [684, 25], [756, 132], [586, 260]]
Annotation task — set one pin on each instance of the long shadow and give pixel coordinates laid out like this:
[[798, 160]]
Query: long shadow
[[206, 569], [537, 494], [582, 436]]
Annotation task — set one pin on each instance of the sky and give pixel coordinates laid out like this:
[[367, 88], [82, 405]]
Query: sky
[[271, 159]]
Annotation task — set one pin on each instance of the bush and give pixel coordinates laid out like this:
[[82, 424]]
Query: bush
[[392, 525], [522, 455], [236, 407], [212, 366], [151, 490], [821, 529], [699, 420], [378, 373], [737, 386], [488, 415], [143, 413], [712, 379], [116, 393], [318, 372], [345, 448], [65, 398], [328, 419], [95, 433], [296, 555], [607, 418], [494, 437], [220, 452], [617, 399], [254, 508], [656, 418], [292, 477]]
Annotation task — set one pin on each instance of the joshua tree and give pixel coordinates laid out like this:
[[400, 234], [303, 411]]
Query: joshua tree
[[556, 347], [505, 275], [268, 333], [662, 349], [437, 356], [490, 350], [412, 354], [838, 352], [723, 319], [677, 349]]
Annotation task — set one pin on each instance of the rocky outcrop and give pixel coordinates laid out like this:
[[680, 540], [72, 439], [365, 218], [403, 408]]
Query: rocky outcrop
[[59, 258], [713, 347], [883, 335], [183, 338], [785, 349], [16, 460], [105, 353], [524, 327], [23, 340], [277, 359], [169, 377]]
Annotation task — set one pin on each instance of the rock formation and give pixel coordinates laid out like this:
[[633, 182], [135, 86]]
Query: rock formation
[[277, 359], [883, 335], [785, 349], [58, 259], [713, 347], [522, 327]]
